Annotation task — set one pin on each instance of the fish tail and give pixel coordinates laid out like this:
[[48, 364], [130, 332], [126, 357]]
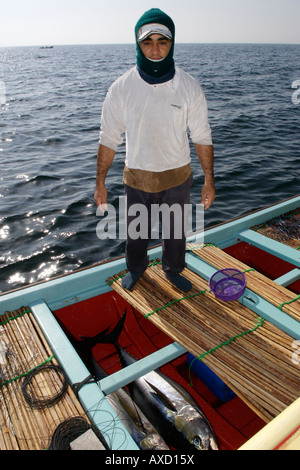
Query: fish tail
[[105, 337]]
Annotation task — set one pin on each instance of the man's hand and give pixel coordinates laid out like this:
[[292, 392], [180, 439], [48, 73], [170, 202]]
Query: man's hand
[[100, 197], [208, 195], [206, 157], [104, 159]]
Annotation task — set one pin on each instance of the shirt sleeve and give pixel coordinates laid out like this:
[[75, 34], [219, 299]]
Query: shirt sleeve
[[112, 126], [200, 131]]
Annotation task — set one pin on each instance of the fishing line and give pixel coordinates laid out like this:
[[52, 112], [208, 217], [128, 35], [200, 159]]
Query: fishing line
[[69, 430], [42, 401], [110, 425]]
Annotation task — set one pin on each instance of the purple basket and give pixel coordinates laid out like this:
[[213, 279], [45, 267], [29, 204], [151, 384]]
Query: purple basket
[[228, 284]]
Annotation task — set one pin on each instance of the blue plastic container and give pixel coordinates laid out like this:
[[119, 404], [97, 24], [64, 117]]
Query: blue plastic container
[[210, 379]]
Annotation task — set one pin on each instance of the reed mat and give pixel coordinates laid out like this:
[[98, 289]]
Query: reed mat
[[285, 229], [35, 397], [252, 356], [277, 295]]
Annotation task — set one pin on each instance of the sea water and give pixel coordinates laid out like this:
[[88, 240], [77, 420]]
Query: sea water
[[50, 108]]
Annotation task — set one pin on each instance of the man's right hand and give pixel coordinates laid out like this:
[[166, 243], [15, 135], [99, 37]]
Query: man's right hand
[[100, 197], [104, 159]]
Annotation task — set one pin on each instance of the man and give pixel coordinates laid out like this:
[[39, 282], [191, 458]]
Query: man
[[155, 104]]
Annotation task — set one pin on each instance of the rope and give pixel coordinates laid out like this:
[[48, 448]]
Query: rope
[[14, 318], [27, 373], [175, 301], [88, 380], [288, 302]]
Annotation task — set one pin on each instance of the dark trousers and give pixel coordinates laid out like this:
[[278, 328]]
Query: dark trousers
[[173, 234]]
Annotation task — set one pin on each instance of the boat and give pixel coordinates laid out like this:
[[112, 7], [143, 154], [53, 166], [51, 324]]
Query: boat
[[239, 359]]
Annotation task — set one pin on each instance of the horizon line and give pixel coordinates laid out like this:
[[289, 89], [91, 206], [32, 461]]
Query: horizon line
[[133, 44]]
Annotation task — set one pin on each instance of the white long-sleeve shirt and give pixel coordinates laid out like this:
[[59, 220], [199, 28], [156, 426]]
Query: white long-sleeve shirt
[[155, 119]]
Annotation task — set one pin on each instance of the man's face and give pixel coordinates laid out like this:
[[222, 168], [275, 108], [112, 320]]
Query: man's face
[[155, 47]]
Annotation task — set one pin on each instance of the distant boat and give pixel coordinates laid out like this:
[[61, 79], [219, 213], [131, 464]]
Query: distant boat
[[46, 47]]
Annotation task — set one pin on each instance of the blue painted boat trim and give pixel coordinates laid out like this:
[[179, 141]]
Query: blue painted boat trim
[[226, 234], [288, 278], [68, 289], [271, 246], [143, 366]]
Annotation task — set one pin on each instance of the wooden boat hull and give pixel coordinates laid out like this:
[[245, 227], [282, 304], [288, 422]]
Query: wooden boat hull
[[82, 302]]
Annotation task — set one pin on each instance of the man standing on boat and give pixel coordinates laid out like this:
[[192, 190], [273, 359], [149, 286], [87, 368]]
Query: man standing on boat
[[155, 104]]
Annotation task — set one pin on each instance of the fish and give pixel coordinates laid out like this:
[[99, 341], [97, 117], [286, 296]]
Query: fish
[[170, 408], [137, 424]]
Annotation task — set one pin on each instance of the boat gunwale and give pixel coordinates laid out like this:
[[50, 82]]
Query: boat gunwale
[[213, 232]]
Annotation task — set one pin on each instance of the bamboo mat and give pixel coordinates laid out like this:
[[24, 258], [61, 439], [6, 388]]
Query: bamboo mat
[[274, 293], [23, 348], [285, 229], [257, 366]]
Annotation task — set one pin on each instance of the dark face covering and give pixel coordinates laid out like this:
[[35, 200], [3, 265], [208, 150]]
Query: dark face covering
[[153, 71]]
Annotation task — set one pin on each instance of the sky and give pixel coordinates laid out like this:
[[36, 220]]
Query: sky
[[62, 22]]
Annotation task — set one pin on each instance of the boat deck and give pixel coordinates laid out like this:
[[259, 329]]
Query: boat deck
[[241, 344], [252, 343]]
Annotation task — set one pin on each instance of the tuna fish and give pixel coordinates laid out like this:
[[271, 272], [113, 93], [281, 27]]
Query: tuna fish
[[169, 407], [136, 423], [139, 427]]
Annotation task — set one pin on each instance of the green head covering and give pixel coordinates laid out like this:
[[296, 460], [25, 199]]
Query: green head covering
[[165, 66]]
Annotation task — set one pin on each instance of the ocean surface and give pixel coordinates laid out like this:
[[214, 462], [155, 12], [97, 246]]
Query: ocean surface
[[50, 107]]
